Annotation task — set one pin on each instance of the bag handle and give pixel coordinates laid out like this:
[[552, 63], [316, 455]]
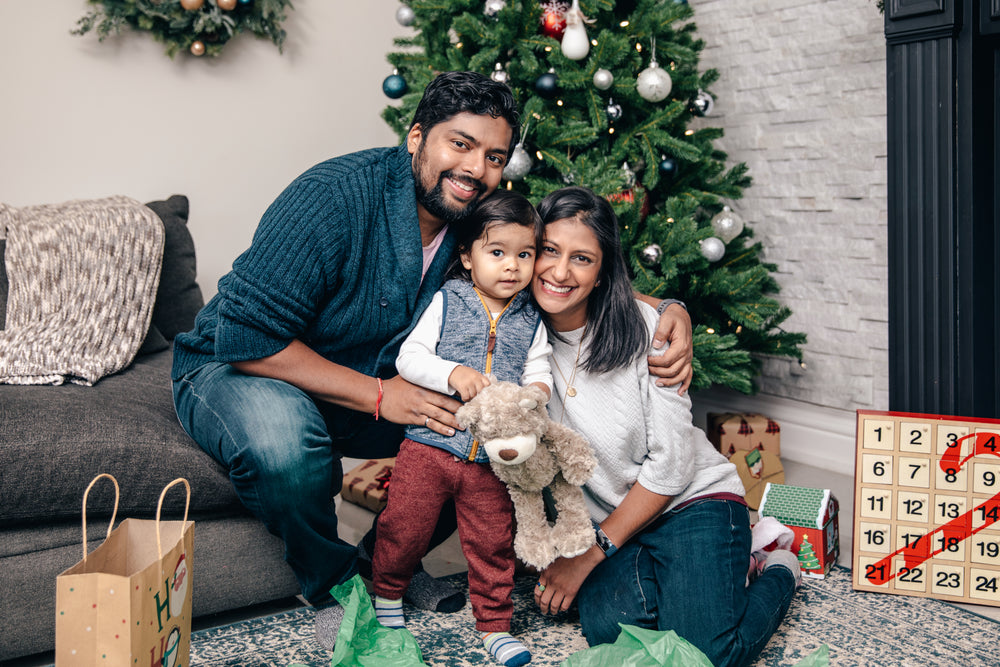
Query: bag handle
[[159, 506], [114, 514]]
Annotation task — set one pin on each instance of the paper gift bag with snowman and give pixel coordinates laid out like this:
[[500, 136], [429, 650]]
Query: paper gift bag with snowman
[[128, 602]]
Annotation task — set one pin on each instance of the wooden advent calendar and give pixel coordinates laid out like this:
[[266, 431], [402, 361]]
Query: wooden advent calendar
[[926, 506]]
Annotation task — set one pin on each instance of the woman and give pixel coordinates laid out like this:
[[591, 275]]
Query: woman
[[673, 530]]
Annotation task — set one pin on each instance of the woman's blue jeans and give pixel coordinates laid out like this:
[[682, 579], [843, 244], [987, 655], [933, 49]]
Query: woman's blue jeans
[[282, 450], [687, 572]]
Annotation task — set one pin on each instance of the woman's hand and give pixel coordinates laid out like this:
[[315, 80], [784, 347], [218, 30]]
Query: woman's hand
[[406, 403], [674, 365], [559, 583]]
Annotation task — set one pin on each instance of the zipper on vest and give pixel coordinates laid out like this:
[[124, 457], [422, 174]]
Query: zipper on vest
[[491, 343]]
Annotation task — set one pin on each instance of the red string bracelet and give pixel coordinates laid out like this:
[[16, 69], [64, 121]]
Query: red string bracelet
[[378, 401]]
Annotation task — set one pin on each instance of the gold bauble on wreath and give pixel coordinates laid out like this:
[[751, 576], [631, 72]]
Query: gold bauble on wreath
[[226, 5], [192, 5]]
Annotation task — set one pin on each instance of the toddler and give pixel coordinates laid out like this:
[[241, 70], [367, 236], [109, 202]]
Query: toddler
[[481, 322]]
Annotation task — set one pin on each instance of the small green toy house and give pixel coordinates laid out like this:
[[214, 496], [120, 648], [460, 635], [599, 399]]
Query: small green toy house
[[812, 516]]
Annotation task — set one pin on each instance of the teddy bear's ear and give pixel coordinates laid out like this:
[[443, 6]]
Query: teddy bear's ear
[[528, 403]]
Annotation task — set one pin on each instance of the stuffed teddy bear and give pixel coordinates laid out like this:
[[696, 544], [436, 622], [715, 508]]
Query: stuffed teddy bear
[[529, 452]]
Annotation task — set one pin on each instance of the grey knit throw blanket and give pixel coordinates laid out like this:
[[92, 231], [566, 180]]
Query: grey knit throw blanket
[[82, 281]]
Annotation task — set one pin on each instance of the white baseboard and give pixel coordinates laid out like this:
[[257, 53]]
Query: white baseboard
[[810, 434]]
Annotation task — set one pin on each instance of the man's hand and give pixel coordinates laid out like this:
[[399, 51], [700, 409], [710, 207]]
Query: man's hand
[[406, 403], [467, 382], [674, 365]]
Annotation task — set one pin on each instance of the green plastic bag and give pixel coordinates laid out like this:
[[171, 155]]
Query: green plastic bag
[[364, 642], [640, 647]]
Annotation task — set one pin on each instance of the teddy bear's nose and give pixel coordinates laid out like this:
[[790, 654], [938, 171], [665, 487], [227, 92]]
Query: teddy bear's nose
[[508, 454]]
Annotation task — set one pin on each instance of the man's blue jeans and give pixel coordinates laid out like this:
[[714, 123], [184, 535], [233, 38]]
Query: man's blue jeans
[[282, 450], [686, 572]]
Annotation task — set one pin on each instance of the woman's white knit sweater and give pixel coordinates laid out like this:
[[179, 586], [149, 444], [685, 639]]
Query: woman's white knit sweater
[[638, 431]]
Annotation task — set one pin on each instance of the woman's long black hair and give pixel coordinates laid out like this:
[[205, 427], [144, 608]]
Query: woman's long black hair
[[615, 327]]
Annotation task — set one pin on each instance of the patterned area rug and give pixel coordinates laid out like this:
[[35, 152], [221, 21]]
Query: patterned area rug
[[868, 629]]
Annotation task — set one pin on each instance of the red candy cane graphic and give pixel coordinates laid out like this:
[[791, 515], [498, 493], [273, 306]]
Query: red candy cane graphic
[[953, 532]]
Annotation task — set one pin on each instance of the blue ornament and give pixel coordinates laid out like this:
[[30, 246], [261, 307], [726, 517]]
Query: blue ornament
[[547, 85], [245, 2], [668, 166], [394, 86]]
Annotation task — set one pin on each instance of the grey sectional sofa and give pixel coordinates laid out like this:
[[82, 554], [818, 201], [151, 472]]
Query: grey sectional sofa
[[55, 439]]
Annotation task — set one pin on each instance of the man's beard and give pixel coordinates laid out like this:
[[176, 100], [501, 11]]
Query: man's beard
[[433, 200]]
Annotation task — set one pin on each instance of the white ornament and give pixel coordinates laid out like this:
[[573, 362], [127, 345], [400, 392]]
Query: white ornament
[[405, 15], [519, 164], [654, 83], [493, 7], [712, 249], [603, 79], [726, 224], [575, 43], [499, 74]]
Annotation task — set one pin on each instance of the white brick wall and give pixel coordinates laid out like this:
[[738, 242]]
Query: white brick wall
[[801, 98]]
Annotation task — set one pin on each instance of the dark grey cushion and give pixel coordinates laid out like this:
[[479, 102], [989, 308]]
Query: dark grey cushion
[[178, 298], [54, 440]]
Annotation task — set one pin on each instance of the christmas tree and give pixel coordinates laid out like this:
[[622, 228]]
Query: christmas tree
[[608, 91], [807, 555]]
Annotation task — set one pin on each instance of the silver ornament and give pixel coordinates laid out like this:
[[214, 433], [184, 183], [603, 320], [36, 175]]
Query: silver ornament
[[702, 104], [603, 79], [613, 110], [712, 249], [629, 175], [405, 15], [518, 165], [726, 224], [651, 254], [654, 83], [493, 7], [499, 74]]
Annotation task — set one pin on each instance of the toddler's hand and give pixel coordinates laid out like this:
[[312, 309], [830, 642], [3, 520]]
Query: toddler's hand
[[467, 382]]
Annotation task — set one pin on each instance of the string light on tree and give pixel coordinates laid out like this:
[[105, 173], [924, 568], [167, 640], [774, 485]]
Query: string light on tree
[[726, 224], [654, 82]]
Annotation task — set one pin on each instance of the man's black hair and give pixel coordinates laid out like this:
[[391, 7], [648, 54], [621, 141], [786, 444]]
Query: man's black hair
[[452, 93]]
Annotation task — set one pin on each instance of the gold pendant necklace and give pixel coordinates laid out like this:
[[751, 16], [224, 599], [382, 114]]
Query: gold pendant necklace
[[570, 389]]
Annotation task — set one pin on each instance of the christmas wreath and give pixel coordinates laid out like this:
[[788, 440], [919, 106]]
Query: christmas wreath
[[201, 27]]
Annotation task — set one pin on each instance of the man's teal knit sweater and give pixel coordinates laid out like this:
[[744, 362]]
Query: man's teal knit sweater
[[335, 262]]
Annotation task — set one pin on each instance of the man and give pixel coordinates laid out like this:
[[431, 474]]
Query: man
[[291, 365]]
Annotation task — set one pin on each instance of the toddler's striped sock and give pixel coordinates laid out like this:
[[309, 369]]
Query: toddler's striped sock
[[389, 612], [507, 650]]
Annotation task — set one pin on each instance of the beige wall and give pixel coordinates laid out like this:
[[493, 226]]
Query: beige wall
[[81, 119]]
